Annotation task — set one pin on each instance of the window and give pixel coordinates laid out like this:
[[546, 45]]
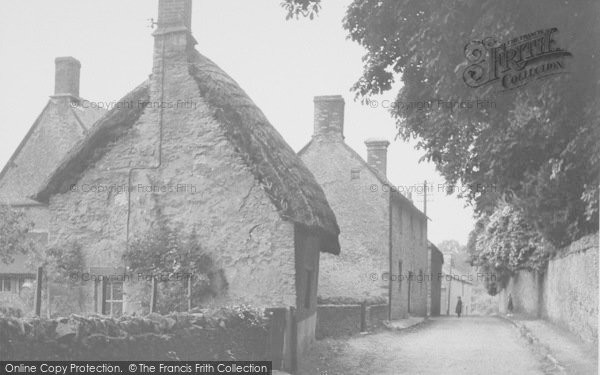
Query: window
[[308, 292], [4, 284], [412, 227], [355, 174], [112, 301]]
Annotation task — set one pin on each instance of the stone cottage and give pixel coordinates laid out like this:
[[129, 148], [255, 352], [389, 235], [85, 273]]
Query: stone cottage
[[64, 121], [188, 146], [383, 235]]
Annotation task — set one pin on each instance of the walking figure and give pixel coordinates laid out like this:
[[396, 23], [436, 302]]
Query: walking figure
[[458, 307], [510, 304]]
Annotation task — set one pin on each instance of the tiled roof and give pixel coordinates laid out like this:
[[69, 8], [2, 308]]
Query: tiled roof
[[58, 127]]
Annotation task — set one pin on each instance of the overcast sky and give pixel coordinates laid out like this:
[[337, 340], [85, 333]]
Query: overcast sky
[[280, 64]]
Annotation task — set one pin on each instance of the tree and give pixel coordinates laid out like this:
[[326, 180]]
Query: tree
[[538, 146], [14, 230], [503, 243], [174, 259]]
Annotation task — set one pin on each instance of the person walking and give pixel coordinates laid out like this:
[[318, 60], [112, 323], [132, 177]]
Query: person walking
[[458, 309], [510, 306]]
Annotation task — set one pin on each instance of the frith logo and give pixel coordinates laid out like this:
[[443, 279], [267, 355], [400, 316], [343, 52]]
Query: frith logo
[[516, 62]]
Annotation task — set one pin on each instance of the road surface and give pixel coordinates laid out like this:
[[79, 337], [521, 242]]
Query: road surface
[[447, 345]]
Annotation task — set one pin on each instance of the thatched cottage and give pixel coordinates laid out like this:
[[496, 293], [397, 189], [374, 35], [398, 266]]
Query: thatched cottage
[[64, 121], [383, 235], [189, 145]]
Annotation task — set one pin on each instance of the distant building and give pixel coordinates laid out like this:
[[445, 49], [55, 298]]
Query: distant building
[[437, 261], [64, 121], [383, 235], [198, 153], [456, 282]]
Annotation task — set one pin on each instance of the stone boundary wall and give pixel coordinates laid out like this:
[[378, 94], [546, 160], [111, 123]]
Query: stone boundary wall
[[565, 294], [347, 320], [195, 336]]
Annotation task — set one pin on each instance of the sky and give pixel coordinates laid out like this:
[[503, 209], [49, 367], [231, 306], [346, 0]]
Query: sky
[[280, 64]]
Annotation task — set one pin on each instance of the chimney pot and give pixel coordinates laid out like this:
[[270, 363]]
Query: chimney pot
[[329, 117], [377, 154], [66, 78]]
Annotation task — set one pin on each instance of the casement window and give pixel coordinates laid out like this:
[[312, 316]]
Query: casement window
[[112, 298], [355, 174], [5, 284]]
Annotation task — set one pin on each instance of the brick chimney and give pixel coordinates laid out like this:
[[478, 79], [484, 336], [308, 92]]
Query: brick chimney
[[173, 35], [329, 118], [174, 14], [66, 77], [377, 154]]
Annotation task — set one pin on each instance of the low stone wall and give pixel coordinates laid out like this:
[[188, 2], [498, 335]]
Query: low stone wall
[[376, 315], [202, 336], [566, 293], [338, 320], [347, 320]]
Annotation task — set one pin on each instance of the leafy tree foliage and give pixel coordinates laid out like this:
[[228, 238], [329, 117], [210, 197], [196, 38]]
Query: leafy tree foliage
[[14, 229], [504, 242], [175, 259], [538, 146]]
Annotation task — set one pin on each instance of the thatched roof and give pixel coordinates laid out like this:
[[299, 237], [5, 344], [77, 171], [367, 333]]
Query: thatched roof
[[289, 184]]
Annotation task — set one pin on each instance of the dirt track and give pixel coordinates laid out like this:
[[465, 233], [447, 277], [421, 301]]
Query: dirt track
[[478, 345]]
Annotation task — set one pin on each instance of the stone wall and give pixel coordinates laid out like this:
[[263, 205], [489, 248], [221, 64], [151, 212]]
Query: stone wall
[[347, 320], [570, 291], [223, 335], [566, 293], [363, 218], [210, 190]]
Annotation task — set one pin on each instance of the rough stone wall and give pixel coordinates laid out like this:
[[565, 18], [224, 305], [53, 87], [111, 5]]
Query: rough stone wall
[[201, 336], [570, 291], [347, 320], [209, 191], [307, 277], [566, 293], [338, 320], [362, 216], [413, 247], [436, 282], [525, 287]]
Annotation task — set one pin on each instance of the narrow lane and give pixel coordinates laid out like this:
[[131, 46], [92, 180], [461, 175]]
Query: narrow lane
[[470, 345]]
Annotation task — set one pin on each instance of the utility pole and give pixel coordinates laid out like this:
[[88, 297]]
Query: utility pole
[[425, 197]]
